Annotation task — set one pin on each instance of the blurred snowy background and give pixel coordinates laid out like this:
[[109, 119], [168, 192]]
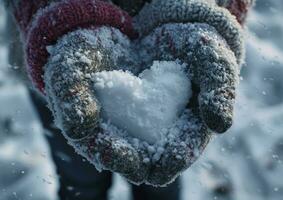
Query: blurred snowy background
[[244, 164]]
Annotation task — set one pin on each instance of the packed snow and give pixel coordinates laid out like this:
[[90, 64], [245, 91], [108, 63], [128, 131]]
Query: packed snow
[[146, 105]]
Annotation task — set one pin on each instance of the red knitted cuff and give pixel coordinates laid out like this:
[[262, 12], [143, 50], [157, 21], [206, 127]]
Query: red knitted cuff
[[240, 9], [59, 18]]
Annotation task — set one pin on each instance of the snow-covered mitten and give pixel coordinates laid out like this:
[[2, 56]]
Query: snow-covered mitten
[[209, 39], [70, 90], [61, 69], [215, 82]]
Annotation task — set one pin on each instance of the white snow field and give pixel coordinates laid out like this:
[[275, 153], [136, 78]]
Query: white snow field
[[246, 163]]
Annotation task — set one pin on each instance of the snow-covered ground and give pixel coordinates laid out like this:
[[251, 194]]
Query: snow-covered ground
[[244, 164]]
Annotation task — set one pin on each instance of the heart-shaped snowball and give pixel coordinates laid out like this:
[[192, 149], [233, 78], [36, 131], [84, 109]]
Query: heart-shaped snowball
[[147, 105]]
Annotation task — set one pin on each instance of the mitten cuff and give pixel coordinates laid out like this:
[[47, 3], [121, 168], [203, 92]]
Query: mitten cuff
[[59, 18], [238, 8], [193, 11]]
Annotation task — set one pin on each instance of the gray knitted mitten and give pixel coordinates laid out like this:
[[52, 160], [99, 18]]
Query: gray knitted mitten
[[202, 35], [73, 61], [214, 53], [213, 69]]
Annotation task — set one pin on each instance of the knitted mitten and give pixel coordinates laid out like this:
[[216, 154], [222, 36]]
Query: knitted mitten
[[69, 88], [60, 69], [213, 68], [215, 81], [210, 41]]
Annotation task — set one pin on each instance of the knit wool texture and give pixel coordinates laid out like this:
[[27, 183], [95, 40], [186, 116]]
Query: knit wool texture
[[161, 12]]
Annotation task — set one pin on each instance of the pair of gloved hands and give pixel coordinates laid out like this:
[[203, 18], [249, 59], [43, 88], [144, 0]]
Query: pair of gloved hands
[[198, 32]]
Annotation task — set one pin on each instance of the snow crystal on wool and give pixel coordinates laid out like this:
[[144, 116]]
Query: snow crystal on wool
[[146, 105], [183, 132]]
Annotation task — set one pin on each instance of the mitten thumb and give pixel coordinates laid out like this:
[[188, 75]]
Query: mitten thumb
[[217, 78]]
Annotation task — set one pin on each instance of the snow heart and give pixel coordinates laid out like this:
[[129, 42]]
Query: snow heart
[[146, 105]]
